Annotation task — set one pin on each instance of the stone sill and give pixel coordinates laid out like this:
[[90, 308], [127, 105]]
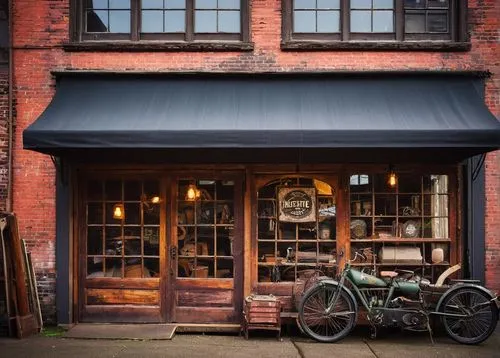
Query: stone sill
[[155, 46], [376, 46]]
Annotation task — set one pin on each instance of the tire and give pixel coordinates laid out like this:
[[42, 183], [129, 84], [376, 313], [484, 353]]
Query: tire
[[482, 321], [319, 325]]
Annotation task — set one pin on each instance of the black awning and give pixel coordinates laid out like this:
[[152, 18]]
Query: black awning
[[115, 112]]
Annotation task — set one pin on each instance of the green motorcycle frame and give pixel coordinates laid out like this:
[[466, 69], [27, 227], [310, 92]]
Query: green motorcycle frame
[[328, 310]]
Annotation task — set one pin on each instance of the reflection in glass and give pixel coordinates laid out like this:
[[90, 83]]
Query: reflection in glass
[[94, 240], [304, 21], [97, 21], [383, 21], [361, 21], [328, 21], [229, 21], [437, 23], [229, 4], [152, 21], [94, 267], [361, 4], [113, 267], [205, 4], [205, 21], [305, 4], [119, 21], [151, 4], [175, 21]]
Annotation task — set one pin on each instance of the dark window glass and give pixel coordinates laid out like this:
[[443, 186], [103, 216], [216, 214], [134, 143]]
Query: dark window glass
[[369, 20], [132, 241], [426, 16], [111, 16]]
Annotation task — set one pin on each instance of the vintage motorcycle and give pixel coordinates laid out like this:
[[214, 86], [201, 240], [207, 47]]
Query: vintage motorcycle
[[328, 310]]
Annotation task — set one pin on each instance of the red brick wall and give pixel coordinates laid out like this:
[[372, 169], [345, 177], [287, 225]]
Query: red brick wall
[[41, 26]]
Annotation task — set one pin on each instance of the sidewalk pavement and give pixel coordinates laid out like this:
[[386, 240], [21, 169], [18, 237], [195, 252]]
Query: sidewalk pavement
[[260, 345]]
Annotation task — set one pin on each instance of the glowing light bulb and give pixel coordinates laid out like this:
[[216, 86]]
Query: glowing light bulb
[[118, 211], [191, 193], [392, 179], [155, 199]]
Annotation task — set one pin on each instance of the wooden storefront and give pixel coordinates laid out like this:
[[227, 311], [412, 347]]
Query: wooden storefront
[[170, 188], [189, 243]]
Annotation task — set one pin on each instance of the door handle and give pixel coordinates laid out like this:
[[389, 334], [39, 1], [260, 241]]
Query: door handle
[[173, 259]]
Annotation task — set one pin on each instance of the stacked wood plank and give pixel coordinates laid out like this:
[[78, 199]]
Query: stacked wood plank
[[21, 308]]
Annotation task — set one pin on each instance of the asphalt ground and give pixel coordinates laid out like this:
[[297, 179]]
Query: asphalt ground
[[389, 343]]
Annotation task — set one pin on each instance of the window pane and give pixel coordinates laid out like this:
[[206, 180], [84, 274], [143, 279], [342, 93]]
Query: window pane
[[229, 4], [383, 4], [97, 21], [119, 4], [94, 241], [361, 21], [229, 21], [305, 4], [415, 3], [175, 21], [328, 4], [438, 3], [361, 4], [152, 4], [152, 21], [205, 21], [383, 21], [119, 21], [414, 23], [97, 4], [304, 21], [437, 23], [205, 4], [175, 4], [328, 21]]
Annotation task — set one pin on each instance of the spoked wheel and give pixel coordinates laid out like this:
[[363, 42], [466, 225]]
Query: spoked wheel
[[326, 324], [481, 315]]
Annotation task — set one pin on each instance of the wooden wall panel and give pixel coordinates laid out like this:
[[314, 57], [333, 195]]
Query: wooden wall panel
[[209, 298], [206, 315], [95, 296]]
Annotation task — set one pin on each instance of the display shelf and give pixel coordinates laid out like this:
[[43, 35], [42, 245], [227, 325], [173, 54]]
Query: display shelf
[[408, 221], [401, 240], [292, 239]]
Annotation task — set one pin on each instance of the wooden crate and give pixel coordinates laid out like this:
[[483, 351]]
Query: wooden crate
[[262, 312]]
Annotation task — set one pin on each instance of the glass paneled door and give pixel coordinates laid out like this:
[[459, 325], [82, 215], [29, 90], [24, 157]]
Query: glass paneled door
[[206, 250], [120, 249]]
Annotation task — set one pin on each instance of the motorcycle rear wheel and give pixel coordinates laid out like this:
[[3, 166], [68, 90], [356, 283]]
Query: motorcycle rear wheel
[[482, 320], [320, 325]]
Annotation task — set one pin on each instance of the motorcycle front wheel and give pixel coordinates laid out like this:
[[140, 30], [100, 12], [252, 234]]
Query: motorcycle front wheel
[[322, 324], [481, 320]]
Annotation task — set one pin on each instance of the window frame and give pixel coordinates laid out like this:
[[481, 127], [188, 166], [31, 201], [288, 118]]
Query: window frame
[[79, 36], [455, 39]]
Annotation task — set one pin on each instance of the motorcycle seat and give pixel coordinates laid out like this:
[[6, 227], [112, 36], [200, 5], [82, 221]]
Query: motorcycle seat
[[389, 274]]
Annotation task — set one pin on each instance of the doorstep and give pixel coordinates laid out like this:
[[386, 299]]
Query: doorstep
[[122, 331]]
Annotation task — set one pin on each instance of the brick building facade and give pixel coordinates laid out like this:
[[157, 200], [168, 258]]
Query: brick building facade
[[42, 45]]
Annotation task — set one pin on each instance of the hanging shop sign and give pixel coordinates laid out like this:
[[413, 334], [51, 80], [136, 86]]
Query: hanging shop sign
[[297, 204]]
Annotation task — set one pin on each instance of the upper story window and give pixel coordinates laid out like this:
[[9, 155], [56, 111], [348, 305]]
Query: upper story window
[[168, 20], [396, 21]]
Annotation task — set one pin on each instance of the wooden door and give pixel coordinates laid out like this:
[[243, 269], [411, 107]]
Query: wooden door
[[121, 250], [206, 248]]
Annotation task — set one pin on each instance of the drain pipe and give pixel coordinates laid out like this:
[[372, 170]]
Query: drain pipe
[[10, 115]]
